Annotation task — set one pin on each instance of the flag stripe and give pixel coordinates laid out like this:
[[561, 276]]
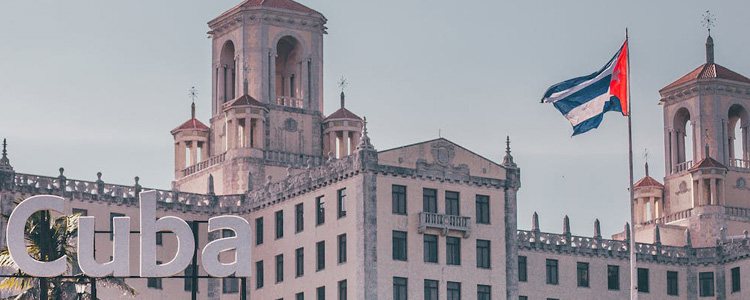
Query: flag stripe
[[584, 95]]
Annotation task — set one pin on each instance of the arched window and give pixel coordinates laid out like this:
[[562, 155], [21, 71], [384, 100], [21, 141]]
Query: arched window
[[227, 73], [682, 145], [288, 69], [737, 128]]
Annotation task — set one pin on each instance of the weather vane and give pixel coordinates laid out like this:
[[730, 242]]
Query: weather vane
[[645, 154], [709, 21], [193, 93], [342, 83]]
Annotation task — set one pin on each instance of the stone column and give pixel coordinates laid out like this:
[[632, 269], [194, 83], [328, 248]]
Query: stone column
[[713, 196], [179, 158], [230, 133], [343, 143], [332, 136], [193, 152]]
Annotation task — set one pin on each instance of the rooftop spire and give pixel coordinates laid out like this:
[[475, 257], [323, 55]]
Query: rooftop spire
[[508, 159], [342, 85], [193, 94], [364, 141], [709, 21], [646, 169], [4, 161]]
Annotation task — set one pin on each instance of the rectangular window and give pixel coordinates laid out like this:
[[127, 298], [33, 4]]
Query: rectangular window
[[112, 217], [299, 296], [320, 292], [299, 262], [523, 298], [160, 238], [320, 210], [400, 288], [398, 199], [454, 290], [483, 254], [279, 224], [342, 248], [706, 284], [643, 280], [451, 203], [582, 272], [341, 203], [81, 212], [154, 283], [483, 209], [430, 248], [258, 274], [736, 285], [452, 250], [259, 231], [429, 200], [399, 245], [613, 278], [279, 268], [552, 272], [342, 290], [430, 289], [230, 285], [320, 249], [484, 292], [299, 218], [522, 274], [672, 283], [188, 282]]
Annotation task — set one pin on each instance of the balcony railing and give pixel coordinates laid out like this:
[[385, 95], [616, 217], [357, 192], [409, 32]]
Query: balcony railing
[[289, 101], [682, 167], [211, 161], [444, 223], [739, 163]]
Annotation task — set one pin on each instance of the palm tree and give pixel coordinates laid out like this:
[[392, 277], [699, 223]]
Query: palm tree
[[47, 240]]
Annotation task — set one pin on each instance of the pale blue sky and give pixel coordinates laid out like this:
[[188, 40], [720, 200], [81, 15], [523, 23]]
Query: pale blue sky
[[97, 85]]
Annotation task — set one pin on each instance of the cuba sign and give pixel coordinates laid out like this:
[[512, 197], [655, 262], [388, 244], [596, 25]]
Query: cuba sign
[[119, 266]]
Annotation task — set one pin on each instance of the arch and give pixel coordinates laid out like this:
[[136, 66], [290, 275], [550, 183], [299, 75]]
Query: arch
[[737, 141], [683, 137], [227, 72], [288, 70]]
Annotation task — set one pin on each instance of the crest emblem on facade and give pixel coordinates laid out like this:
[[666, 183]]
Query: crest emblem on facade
[[741, 184], [443, 153], [290, 125]]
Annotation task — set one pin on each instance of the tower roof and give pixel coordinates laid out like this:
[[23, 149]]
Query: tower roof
[[708, 162], [343, 113], [244, 100], [709, 71], [648, 181], [192, 124], [277, 4]]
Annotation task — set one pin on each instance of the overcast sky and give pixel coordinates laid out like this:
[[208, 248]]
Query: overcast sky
[[97, 85]]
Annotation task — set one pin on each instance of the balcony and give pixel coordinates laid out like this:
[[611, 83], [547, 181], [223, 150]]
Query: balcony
[[289, 101], [444, 223], [739, 163], [682, 167]]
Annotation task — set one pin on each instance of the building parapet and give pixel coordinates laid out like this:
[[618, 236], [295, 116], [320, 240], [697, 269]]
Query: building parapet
[[210, 162]]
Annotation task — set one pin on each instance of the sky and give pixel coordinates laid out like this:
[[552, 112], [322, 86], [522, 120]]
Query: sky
[[93, 85]]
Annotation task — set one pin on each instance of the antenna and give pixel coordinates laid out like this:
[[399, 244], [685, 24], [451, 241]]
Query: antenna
[[709, 21]]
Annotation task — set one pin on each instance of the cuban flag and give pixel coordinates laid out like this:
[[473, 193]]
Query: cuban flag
[[584, 100]]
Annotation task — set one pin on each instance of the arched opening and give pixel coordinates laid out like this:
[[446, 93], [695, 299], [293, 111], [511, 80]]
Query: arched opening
[[683, 145], [227, 73], [288, 69], [737, 142]]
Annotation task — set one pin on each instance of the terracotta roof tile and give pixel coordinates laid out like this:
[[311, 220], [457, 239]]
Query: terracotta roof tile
[[709, 71], [192, 124], [343, 113], [244, 100], [708, 162], [648, 182]]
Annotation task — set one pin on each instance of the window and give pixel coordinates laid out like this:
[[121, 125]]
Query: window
[[430, 248], [399, 245], [452, 250], [230, 285], [320, 210], [398, 199], [154, 283], [280, 268], [552, 271], [320, 248], [299, 218], [451, 203], [736, 285], [454, 290], [258, 274], [430, 289], [483, 209], [259, 231], [279, 224], [342, 248], [321, 293], [483, 254], [342, 290], [225, 233], [188, 283], [341, 203], [299, 262], [81, 212], [706, 284], [523, 298], [160, 238], [672, 283], [299, 296], [429, 200], [522, 274], [400, 288], [112, 217], [582, 272], [643, 280], [484, 292], [613, 278]]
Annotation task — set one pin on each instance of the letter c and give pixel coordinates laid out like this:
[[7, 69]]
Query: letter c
[[17, 243]]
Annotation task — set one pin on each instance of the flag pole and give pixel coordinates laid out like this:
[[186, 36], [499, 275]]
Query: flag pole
[[633, 258]]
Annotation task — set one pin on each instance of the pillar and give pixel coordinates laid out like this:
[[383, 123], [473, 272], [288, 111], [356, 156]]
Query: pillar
[[332, 143], [193, 153], [713, 195], [355, 136]]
